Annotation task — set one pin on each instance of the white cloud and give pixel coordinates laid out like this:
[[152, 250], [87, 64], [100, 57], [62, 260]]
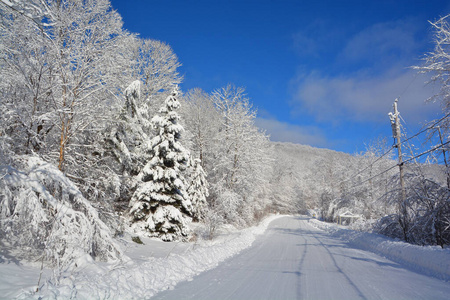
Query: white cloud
[[364, 99], [372, 70], [285, 132], [382, 43]]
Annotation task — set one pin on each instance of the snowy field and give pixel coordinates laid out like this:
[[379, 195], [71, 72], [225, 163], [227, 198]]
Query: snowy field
[[157, 266]]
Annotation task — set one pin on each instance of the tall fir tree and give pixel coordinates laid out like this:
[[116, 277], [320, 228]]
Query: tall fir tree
[[160, 205]]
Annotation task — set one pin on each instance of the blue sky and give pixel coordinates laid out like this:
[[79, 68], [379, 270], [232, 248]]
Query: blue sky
[[322, 73]]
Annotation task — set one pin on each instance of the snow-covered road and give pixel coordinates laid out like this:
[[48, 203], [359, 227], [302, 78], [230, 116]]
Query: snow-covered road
[[293, 260]]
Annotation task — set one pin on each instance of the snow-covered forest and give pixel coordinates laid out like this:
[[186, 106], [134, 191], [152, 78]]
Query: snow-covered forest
[[97, 140]]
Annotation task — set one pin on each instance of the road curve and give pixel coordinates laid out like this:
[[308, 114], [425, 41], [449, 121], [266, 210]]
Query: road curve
[[293, 260]]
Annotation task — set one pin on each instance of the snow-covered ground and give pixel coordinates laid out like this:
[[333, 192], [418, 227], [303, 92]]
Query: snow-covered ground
[[294, 260], [157, 266], [151, 267], [430, 260]]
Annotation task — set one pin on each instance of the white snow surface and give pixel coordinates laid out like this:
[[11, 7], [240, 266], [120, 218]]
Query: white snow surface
[[157, 266], [430, 260], [294, 260], [153, 267]]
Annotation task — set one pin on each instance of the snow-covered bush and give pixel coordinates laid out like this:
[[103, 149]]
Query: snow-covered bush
[[213, 220], [389, 226], [44, 214], [429, 209], [426, 217]]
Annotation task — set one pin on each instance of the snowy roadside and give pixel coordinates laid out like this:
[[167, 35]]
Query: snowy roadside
[[430, 260], [153, 267]]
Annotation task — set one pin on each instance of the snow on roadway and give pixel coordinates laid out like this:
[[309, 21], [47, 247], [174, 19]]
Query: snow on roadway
[[294, 260], [430, 260], [291, 260]]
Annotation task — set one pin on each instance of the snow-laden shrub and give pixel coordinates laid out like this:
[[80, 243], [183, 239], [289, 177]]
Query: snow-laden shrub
[[425, 219], [23, 222], [212, 220], [44, 211], [428, 207]]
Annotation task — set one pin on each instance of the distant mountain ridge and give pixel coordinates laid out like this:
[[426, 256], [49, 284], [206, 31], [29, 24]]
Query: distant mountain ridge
[[316, 170]]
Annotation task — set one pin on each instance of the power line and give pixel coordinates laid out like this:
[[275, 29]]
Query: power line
[[428, 151], [396, 165], [431, 126], [379, 174], [410, 83], [404, 162], [369, 166], [427, 128]]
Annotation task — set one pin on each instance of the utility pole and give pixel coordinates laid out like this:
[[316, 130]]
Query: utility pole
[[395, 124]]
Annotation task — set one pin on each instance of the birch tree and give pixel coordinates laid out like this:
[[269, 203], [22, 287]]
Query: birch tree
[[82, 45]]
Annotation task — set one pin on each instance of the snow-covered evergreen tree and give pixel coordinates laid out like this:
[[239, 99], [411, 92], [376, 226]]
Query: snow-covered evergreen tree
[[129, 132], [160, 205], [198, 190]]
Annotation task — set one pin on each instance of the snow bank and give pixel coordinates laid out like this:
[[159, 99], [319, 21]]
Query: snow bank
[[433, 261], [143, 278]]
